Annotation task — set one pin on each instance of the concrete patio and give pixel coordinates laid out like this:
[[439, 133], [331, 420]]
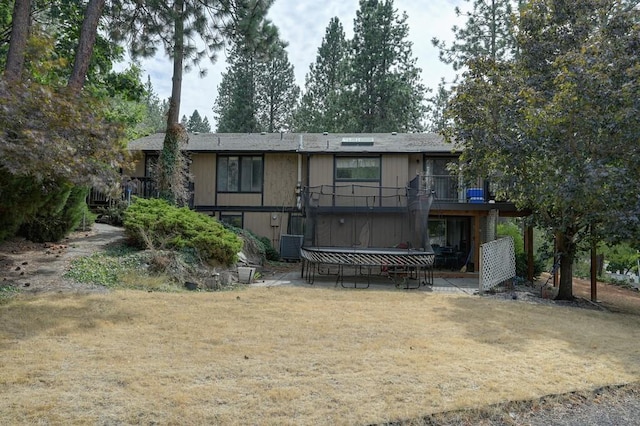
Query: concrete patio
[[443, 282]]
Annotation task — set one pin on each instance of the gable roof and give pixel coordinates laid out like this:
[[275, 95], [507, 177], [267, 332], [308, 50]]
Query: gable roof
[[305, 143]]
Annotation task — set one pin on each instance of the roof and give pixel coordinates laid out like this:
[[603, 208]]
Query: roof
[[304, 142]]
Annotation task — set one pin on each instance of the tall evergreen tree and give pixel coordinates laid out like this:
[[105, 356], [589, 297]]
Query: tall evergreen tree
[[235, 107], [386, 92], [257, 93], [155, 118], [488, 33], [196, 124], [277, 92], [436, 120], [320, 107]]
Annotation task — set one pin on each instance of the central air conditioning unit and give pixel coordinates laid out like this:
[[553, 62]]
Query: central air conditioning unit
[[290, 246]]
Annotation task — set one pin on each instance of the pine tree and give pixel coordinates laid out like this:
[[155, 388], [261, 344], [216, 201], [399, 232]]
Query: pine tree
[[320, 108], [196, 124], [235, 107], [436, 106], [386, 93], [488, 33], [277, 92], [155, 118], [257, 93]]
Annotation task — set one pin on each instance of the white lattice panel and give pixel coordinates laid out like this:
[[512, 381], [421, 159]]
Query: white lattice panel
[[497, 262]]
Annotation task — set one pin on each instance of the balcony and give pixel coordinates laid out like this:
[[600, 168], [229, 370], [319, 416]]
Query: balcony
[[143, 187], [450, 189]]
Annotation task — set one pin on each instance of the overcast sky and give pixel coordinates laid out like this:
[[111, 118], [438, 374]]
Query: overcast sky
[[302, 24]]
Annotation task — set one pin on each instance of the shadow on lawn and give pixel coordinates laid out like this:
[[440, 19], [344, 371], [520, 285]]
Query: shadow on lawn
[[59, 315], [515, 326]]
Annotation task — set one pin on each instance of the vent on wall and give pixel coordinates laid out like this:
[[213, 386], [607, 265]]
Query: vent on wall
[[290, 246]]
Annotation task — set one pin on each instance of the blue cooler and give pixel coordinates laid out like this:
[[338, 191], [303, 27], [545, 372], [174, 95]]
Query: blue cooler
[[475, 195]]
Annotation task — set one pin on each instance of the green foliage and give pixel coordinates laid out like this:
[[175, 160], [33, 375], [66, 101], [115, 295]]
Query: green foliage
[[384, 90], [320, 108], [367, 84], [57, 136], [7, 292], [511, 229], [113, 213], [173, 167], [436, 121], [20, 199], [555, 127], [488, 32], [154, 222], [61, 215], [257, 93], [196, 124], [621, 257], [269, 251], [121, 266], [101, 269], [522, 265], [154, 120]]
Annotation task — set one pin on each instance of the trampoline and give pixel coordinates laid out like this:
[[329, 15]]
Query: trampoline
[[396, 263], [366, 229]]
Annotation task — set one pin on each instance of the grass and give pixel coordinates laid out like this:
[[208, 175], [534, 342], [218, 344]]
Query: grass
[[290, 355], [124, 267]]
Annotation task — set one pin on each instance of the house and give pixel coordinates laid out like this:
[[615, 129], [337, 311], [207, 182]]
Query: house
[[340, 190]]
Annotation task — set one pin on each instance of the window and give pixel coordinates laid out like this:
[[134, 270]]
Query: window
[[150, 164], [358, 168], [240, 173], [231, 219]]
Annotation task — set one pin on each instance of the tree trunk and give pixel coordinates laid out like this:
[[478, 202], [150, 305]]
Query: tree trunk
[[567, 249], [173, 115], [85, 45], [18, 44], [170, 176]]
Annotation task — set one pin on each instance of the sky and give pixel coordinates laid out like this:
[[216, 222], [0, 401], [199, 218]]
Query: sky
[[302, 24]]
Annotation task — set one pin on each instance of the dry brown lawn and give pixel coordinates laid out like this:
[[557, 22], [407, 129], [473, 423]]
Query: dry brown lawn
[[290, 355]]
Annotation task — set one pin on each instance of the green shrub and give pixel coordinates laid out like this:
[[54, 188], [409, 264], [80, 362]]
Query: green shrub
[[522, 268], [270, 253], [113, 213], [153, 223], [61, 215], [511, 229]]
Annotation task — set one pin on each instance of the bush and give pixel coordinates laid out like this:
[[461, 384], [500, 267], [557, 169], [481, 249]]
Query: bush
[[62, 214], [153, 223], [113, 213], [271, 253], [522, 269]]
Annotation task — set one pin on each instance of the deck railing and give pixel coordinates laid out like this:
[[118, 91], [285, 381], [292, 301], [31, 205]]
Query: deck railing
[[451, 189]]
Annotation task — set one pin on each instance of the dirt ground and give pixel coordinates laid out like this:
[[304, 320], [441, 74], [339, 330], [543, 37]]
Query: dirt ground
[[39, 267]]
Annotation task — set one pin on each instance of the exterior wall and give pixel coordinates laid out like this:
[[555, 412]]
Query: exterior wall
[[203, 169], [239, 199], [270, 225], [280, 179], [321, 170], [394, 170]]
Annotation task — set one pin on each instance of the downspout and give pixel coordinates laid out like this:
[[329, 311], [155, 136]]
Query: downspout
[[299, 183]]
